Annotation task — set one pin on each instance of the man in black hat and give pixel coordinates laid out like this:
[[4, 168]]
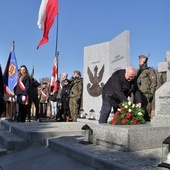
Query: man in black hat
[[147, 82]]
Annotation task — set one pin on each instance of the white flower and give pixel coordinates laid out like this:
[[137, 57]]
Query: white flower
[[123, 104], [119, 109], [139, 113], [130, 110], [126, 106], [137, 105], [133, 105], [129, 103]]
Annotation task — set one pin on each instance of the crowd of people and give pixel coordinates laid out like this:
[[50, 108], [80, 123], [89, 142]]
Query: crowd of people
[[63, 103], [137, 84]]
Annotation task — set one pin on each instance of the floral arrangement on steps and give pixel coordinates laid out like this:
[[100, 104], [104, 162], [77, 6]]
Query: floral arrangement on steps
[[128, 114]]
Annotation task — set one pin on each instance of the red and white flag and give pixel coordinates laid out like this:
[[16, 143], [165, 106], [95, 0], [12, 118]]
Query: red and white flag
[[47, 12], [54, 76]]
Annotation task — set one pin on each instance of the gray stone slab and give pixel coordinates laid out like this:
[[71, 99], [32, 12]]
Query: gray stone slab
[[40, 158], [70, 146], [103, 158], [162, 97], [130, 137], [10, 141], [34, 132], [111, 55]]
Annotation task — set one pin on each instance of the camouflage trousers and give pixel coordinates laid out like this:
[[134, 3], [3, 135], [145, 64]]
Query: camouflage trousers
[[147, 106], [74, 106]]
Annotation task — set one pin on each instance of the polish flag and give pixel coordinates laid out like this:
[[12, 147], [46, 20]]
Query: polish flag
[[47, 12], [54, 76]]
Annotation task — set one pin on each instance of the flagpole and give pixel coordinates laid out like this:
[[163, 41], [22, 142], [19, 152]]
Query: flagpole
[[56, 46], [12, 102], [13, 46]]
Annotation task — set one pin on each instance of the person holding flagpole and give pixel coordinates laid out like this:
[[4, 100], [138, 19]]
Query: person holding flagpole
[[10, 78], [21, 92]]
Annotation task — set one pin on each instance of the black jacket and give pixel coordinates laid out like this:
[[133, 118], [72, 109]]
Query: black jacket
[[53, 97], [65, 96], [26, 81], [117, 89], [33, 89]]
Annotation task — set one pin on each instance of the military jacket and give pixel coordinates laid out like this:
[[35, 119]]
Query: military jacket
[[44, 95], [147, 80], [76, 89]]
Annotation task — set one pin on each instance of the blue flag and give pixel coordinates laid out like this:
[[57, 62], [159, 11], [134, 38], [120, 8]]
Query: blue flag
[[11, 73]]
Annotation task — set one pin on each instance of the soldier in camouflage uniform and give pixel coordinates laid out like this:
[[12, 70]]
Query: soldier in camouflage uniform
[[147, 82], [76, 90]]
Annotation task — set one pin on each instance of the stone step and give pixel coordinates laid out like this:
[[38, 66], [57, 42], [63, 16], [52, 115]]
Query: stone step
[[3, 151], [10, 141], [90, 155]]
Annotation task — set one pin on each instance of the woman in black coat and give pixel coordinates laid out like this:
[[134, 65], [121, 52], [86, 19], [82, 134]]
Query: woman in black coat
[[21, 91]]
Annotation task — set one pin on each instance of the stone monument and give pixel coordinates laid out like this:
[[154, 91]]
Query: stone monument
[[143, 136], [100, 61], [162, 97]]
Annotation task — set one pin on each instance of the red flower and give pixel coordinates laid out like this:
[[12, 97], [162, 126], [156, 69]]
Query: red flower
[[128, 115], [114, 121], [117, 113], [122, 109], [123, 121], [134, 121]]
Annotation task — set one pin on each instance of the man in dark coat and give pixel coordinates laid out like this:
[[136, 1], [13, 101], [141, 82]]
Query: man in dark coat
[[117, 89], [33, 97]]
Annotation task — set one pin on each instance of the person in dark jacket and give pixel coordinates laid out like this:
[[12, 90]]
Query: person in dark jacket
[[21, 91], [117, 89], [33, 97], [65, 100], [2, 104]]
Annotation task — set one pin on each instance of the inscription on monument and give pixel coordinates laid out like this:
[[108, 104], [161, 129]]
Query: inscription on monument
[[164, 107], [117, 58], [95, 62]]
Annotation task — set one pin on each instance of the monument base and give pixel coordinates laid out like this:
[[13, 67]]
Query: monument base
[[161, 120], [129, 137]]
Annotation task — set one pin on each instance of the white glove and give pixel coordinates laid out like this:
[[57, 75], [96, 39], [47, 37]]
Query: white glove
[[15, 98], [23, 98]]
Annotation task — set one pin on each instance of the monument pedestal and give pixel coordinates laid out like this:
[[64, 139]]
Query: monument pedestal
[[129, 137]]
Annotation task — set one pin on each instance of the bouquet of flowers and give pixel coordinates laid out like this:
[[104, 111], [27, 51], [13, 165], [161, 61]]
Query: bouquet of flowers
[[128, 114]]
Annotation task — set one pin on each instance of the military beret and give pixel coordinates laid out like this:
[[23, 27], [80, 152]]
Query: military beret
[[78, 72], [142, 56]]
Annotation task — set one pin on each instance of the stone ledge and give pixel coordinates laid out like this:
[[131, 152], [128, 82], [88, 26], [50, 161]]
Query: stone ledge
[[73, 149]]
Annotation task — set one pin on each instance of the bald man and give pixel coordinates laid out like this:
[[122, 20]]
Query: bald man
[[117, 89]]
